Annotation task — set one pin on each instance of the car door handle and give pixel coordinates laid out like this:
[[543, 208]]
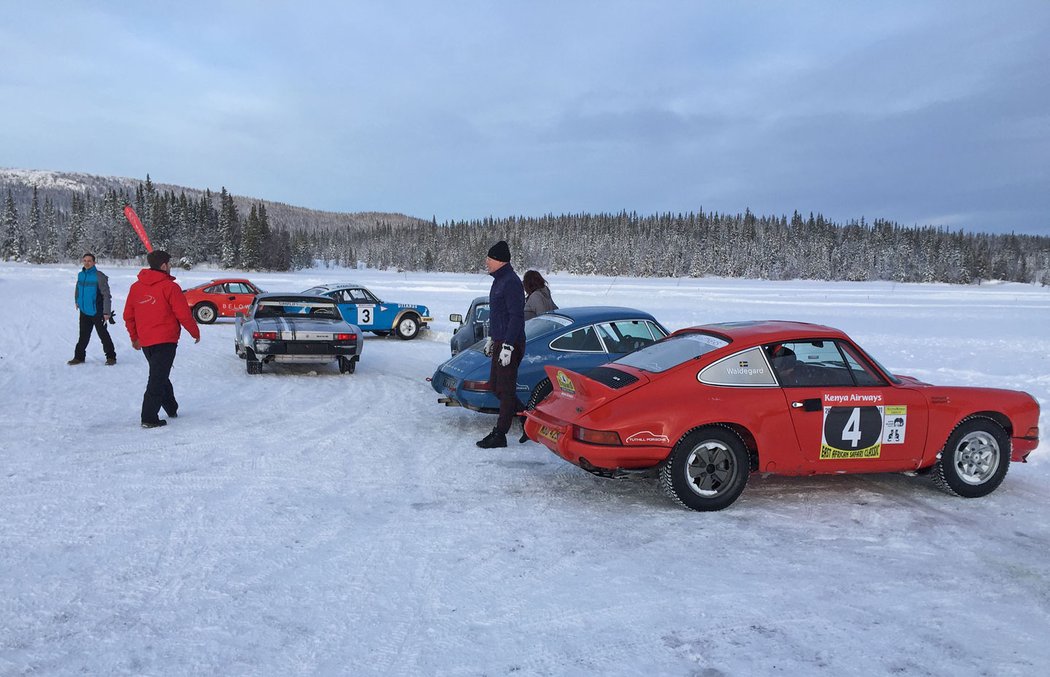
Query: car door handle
[[231, 298], [811, 404]]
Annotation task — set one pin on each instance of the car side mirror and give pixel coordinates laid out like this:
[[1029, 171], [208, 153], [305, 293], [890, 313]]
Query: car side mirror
[[455, 317]]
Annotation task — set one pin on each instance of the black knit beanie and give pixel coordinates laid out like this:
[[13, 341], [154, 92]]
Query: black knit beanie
[[500, 252]]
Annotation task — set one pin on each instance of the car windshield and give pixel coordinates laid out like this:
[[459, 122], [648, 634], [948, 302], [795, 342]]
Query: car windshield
[[889, 374], [672, 351]]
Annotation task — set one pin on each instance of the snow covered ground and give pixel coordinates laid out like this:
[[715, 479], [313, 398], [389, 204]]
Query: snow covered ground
[[305, 522]]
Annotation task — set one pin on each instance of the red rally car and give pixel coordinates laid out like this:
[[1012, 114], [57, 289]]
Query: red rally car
[[220, 298], [709, 405]]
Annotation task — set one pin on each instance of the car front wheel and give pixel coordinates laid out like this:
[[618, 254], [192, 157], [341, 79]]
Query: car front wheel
[[204, 313], [707, 469], [407, 328], [975, 459]]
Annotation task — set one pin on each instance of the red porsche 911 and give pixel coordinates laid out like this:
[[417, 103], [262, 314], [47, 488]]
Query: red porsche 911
[[707, 406], [220, 298]]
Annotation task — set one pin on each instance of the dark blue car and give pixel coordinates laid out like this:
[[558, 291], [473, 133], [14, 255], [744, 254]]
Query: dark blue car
[[575, 338]]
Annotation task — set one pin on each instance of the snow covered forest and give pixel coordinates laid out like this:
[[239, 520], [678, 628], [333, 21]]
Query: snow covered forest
[[204, 227]]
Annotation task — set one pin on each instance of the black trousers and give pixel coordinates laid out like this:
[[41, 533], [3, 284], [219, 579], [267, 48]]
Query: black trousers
[[504, 382], [98, 323], [159, 392]]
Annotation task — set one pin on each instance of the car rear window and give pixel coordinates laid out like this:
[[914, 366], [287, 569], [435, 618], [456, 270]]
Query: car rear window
[[538, 326], [672, 351]]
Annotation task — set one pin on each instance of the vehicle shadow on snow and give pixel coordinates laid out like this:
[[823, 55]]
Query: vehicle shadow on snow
[[551, 476]]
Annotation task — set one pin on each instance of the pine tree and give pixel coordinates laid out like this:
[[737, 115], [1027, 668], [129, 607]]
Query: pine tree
[[33, 236], [75, 234], [229, 230], [49, 233], [10, 245], [252, 241]]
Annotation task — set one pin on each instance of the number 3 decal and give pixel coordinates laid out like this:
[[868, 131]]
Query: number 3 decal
[[364, 314]]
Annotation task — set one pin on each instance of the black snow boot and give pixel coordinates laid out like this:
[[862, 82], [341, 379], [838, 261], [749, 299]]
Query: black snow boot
[[524, 438], [493, 440]]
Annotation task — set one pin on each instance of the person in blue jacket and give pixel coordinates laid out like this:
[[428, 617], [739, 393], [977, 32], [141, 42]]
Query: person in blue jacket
[[506, 341], [93, 301]]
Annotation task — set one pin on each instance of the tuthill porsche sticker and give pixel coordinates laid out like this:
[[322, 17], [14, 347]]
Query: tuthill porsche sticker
[[646, 437], [565, 384]]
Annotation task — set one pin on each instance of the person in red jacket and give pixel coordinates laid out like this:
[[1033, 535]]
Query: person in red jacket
[[153, 312]]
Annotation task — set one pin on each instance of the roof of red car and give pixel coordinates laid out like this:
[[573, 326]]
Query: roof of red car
[[224, 280], [768, 330]]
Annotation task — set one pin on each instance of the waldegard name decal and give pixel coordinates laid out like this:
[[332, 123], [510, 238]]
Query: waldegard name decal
[[647, 437], [743, 368]]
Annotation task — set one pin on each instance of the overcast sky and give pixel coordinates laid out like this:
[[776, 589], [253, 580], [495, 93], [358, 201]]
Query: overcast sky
[[919, 112]]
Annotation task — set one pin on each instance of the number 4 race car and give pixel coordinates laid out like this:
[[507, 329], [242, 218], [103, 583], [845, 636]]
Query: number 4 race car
[[709, 405]]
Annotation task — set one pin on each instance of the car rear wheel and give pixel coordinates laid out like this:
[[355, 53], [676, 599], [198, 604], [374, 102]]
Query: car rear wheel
[[204, 313], [347, 365], [540, 393], [407, 328], [253, 365], [707, 469], [974, 460]]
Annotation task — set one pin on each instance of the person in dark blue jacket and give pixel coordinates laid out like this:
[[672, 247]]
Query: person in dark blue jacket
[[92, 299], [506, 341]]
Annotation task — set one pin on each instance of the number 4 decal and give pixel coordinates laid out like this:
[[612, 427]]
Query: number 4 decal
[[851, 433]]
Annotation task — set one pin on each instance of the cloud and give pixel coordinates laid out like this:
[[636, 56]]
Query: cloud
[[898, 110]]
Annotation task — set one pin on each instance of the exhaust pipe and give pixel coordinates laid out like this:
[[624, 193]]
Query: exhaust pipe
[[449, 402]]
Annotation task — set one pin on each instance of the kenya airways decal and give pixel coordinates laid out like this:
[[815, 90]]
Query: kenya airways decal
[[646, 437]]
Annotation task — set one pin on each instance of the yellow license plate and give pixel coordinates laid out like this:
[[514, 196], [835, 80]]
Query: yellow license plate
[[550, 433]]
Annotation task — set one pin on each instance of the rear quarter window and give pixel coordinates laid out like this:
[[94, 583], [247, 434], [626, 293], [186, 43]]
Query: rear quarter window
[[746, 368]]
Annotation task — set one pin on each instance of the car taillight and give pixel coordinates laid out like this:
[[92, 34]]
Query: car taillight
[[476, 385], [346, 337], [264, 335], [606, 437]]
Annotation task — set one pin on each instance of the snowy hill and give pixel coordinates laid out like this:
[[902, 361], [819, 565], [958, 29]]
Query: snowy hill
[[60, 187], [304, 522]]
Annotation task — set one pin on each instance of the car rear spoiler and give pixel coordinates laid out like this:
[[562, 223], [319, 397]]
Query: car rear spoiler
[[577, 386]]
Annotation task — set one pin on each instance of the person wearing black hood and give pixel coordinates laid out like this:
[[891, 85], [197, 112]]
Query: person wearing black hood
[[506, 341]]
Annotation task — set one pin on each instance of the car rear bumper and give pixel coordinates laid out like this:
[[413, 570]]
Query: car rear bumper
[[299, 359], [607, 461], [483, 401], [309, 350]]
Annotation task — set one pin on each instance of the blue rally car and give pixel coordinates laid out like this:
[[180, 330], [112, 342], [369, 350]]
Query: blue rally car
[[363, 308], [575, 338]]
